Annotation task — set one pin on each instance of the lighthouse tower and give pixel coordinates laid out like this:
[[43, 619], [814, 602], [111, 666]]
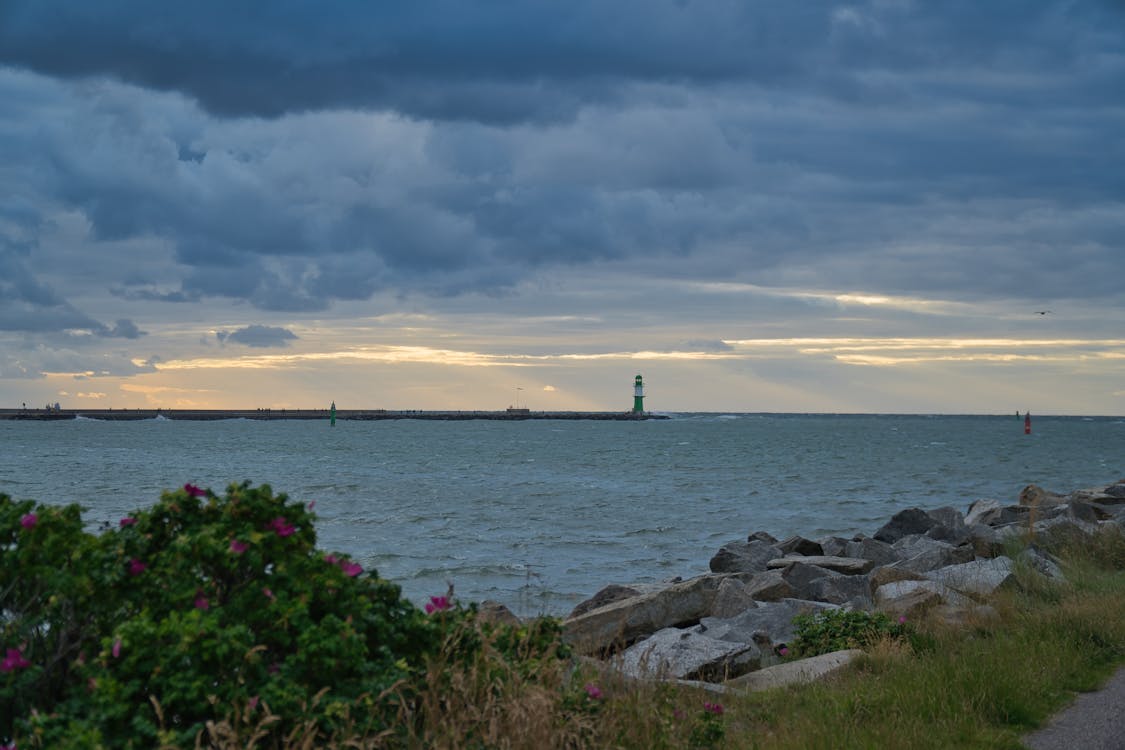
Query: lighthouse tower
[[638, 396]]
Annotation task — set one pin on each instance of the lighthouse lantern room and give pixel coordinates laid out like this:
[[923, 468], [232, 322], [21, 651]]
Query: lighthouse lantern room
[[638, 396]]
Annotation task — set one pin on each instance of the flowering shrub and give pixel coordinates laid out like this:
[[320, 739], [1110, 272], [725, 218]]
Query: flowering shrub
[[187, 611]]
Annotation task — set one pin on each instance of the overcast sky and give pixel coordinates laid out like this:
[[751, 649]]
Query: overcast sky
[[455, 204]]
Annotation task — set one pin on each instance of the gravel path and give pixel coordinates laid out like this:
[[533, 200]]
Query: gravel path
[[1095, 721]]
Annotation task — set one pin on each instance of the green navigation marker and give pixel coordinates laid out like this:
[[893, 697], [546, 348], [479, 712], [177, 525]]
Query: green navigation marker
[[638, 396], [332, 415]]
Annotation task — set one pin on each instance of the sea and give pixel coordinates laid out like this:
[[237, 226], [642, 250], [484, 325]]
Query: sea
[[541, 514]]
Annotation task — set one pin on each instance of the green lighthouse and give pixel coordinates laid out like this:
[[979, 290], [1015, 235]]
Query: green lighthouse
[[638, 396]]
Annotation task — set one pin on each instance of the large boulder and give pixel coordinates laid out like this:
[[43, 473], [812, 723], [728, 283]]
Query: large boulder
[[769, 587], [607, 595], [744, 557], [907, 603], [798, 545], [880, 553], [796, 672], [774, 619], [893, 597], [982, 511], [1052, 532], [688, 655], [921, 554], [1034, 496], [846, 565], [979, 578], [905, 523], [621, 623], [731, 598]]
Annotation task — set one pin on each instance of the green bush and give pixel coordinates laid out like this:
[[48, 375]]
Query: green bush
[[836, 629], [197, 608]]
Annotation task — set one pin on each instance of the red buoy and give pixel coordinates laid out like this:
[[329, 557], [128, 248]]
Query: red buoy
[[1027, 424]]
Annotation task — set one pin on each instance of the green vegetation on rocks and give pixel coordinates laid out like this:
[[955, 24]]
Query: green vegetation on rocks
[[214, 621]]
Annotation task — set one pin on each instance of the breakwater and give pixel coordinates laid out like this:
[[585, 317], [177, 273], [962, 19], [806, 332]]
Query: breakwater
[[209, 415]]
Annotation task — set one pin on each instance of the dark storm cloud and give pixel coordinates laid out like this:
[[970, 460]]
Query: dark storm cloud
[[257, 336], [958, 149], [508, 62]]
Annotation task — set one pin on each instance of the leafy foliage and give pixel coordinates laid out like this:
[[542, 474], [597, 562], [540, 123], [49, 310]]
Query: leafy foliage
[[200, 605], [837, 629]]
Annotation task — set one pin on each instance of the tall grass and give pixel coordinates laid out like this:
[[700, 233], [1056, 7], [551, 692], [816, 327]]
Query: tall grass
[[984, 684]]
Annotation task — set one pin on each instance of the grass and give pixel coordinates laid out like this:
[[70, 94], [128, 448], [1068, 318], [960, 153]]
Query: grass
[[983, 685]]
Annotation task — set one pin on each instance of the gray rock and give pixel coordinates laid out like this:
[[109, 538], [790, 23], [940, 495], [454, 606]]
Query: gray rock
[[985, 540], [834, 546], [921, 554], [890, 574], [769, 587], [887, 593], [732, 598], [867, 548], [1035, 496], [607, 595], [800, 546], [853, 592], [800, 577], [772, 618], [1063, 530], [982, 511], [495, 612], [623, 622], [798, 672], [762, 536], [1042, 563], [845, 565], [1010, 514], [905, 523], [688, 655], [910, 604], [979, 578], [744, 557], [948, 516]]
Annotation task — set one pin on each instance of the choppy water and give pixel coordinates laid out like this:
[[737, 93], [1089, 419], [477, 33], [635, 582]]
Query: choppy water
[[541, 514]]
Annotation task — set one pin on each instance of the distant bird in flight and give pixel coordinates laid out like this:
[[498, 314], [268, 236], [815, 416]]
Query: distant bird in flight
[[1042, 312]]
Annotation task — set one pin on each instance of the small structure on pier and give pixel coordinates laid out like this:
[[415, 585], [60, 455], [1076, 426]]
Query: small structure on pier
[[638, 395]]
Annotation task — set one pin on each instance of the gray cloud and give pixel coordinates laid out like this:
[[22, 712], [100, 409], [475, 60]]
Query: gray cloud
[[958, 150], [257, 336]]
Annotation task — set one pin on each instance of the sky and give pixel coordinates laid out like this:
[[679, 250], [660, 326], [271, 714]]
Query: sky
[[890, 206]]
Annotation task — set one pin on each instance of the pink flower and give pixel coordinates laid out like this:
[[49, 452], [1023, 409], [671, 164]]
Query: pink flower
[[14, 660], [351, 569], [29, 521], [253, 702], [202, 603], [127, 521], [194, 491], [136, 567], [312, 505], [783, 651], [714, 708], [593, 691], [238, 547], [268, 593], [902, 619], [281, 526], [438, 604], [330, 559], [116, 650]]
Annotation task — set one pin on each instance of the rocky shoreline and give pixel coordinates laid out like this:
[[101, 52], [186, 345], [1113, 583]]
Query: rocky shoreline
[[724, 629]]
